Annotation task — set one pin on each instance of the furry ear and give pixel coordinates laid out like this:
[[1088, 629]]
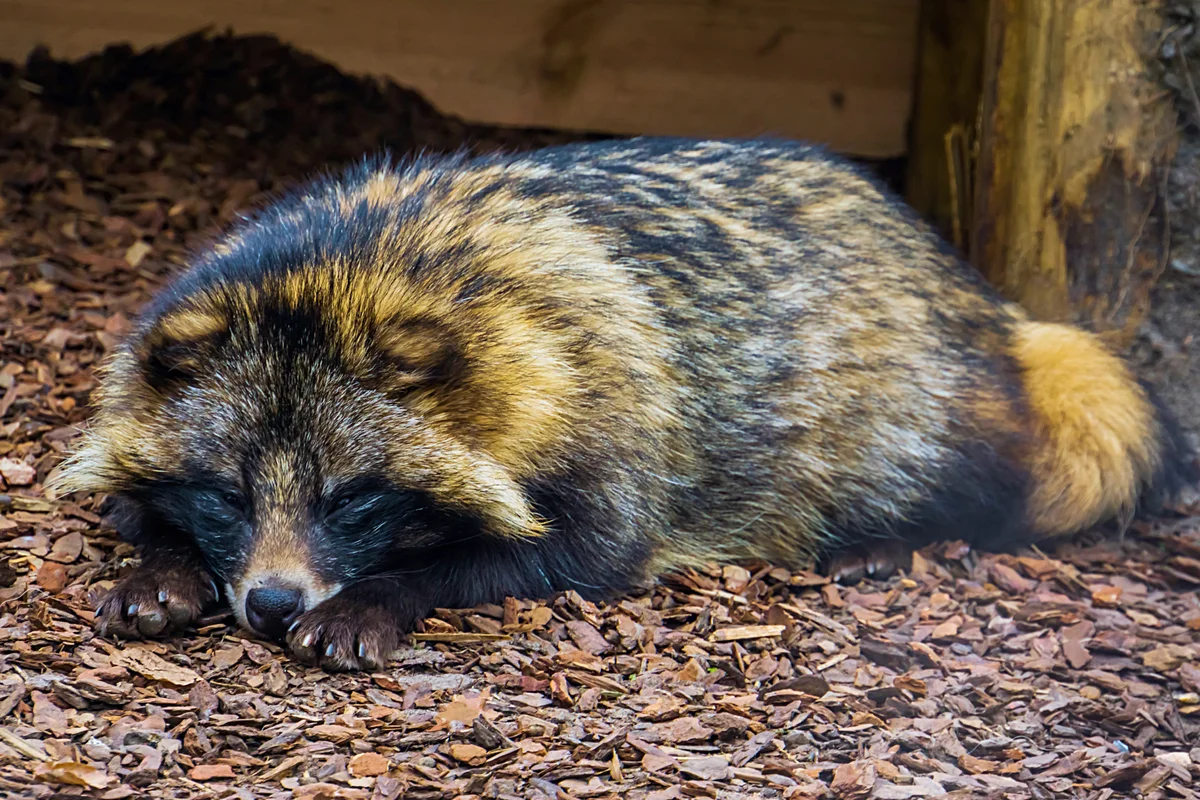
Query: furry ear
[[175, 348], [421, 351]]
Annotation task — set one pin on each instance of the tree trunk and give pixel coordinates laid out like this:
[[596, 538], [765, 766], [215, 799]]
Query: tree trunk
[[1077, 137]]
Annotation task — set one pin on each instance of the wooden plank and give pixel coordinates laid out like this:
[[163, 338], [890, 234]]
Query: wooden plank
[[940, 170], [834, 71], [1077, 137]]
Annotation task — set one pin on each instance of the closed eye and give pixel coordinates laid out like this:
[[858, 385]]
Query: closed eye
[[216, 516], [356, 508], [220, 504], [348, 509]]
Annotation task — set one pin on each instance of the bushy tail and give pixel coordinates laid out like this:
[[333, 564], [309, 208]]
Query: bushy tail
[[1104, 447]]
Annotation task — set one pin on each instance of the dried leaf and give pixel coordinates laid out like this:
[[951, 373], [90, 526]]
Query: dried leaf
[[1142, 618], [559, 689], [139, 659], [72, 773]]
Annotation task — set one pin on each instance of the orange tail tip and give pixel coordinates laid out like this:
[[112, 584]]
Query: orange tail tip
[[1102, 445]]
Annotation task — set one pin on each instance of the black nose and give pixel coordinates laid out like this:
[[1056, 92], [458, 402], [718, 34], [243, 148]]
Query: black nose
[[271, 609]]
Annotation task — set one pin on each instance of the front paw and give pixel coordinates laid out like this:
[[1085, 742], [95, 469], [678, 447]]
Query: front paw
[[878, 560], [343, 636], [155, 600]]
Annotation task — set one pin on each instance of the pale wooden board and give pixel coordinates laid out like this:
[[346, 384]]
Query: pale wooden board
[[834, 71]]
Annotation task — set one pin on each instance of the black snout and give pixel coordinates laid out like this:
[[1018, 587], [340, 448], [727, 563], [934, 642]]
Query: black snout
[[271, 609]]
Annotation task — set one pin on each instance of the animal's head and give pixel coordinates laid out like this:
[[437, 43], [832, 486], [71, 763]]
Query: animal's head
[[331, 388]]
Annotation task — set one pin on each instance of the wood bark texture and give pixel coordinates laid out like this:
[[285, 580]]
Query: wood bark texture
[[1077, 137]]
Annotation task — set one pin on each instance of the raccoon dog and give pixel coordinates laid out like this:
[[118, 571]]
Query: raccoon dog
[[446, 381]]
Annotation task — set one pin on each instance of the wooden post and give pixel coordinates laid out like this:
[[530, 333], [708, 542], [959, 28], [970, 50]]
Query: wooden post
[[950, 48], [1076, 140]]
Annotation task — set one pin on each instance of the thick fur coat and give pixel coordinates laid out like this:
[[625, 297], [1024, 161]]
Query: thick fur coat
[[447, 381]]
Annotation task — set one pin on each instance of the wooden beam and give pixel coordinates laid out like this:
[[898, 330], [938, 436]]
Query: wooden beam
[[833, 71], [1077, 137], [949, 79]]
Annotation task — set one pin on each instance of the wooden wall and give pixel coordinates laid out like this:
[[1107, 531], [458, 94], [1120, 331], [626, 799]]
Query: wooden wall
[[835, 71]]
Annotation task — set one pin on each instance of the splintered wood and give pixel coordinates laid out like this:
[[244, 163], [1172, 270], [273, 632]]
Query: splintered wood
[[1070, 675], [1076, 140]]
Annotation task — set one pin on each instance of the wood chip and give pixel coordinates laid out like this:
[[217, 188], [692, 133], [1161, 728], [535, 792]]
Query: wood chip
[[468, 754], [72, 773], [369, 765], [853, 781], [211, 772], [16, 473], [587, 638], [460, 638], [747, 632], [138, 658], [52, 577]]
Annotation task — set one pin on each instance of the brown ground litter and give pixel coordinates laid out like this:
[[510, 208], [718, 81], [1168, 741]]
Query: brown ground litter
[[1072, 674]]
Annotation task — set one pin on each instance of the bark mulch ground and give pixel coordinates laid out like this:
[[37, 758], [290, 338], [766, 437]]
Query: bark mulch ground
[[1066, 674]]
